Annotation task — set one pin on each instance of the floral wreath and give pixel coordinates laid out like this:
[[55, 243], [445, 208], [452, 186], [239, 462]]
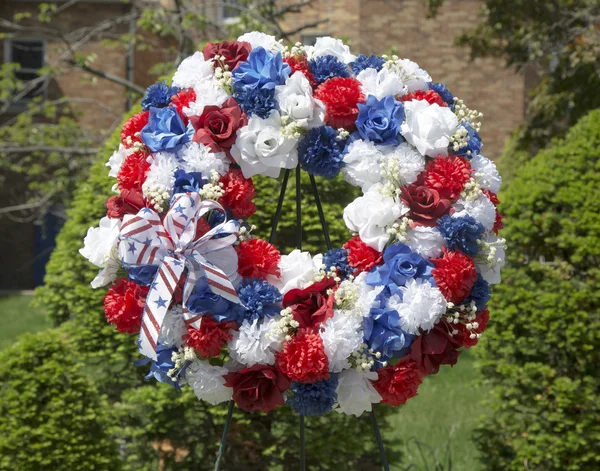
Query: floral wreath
[[223, 311]]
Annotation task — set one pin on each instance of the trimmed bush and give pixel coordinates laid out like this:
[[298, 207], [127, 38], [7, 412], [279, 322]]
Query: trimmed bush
[[542, 349]]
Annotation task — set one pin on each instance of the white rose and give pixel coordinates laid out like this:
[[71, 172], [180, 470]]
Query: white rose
[[489, 177], [380, 84], [257, 39], [208, 93], [108, 274], [192, 71], [100, 242], [481, 209], [296, 101], [426, 241], [328, 46], [261, 148], [297, 270], [116, 160], [356, 392], [428, 127], [362, 164], [420, 307]]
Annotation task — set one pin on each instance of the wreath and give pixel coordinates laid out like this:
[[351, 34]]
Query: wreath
[[221, 310]]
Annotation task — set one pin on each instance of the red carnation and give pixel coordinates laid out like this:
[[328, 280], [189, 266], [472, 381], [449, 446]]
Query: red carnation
[[216, 127], [499, 223], [210, 337], [311, 306], [300, 64], [128, 202], [132, 174], [257, 388], [361, 256], [239, 193], [130, 133], [434, 348], [398, 383], [448, 175], [426, 204], [124, 305], [234, 52], [303, 357], [181, 100], [341, 96], [429, 96], [454, 275], [257, 258]]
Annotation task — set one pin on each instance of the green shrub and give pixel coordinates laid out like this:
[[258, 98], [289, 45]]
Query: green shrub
[[542, 350]]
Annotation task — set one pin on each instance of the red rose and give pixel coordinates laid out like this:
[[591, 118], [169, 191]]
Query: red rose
[[128, 202], [210, 337], [130, 132], [311, 306], [257, 388], [132, 173], [429, 96], [233, 51], [398, 383], [434, 348], [181, 100], [303, 357], [124, 305], [257, 258], [216, 127], [341, 96], [426, 204], [361, 256], [300, 64], [448, 175], [454, 275], [239, 193]]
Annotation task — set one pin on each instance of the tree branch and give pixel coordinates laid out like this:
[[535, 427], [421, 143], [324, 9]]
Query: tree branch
[[105, 75], [287, 34], [64, 150]]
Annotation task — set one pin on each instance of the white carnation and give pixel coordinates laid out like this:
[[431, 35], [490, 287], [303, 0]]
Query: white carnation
[[426, 241], [489, 177], [356, 392], [297, 270], [342, 334], [362, 295], [116, 160], [328, 46], [408, 161], [421, 306], [161, 174], [428, 127], [192, 71], [295, 99], [481, 209], [257, 39], [252, 344], [380, 83], [199, 158], [173, 328], [362, 164], [208, 93], [208, 382]]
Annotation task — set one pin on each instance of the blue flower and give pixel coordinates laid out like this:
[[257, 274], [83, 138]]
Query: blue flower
[[326, 67], [461, 233], [314, 398], [383, 333], [474, 143], [165, 130], [188, 182], [442, 91], [161, 366], [260, 299], [400, 265], [141, 274], [363, 62], [320, 152], [204, 301], [262, 70], [256, 101], [480, 293], [379, 120], [338, 258], [158, 95]]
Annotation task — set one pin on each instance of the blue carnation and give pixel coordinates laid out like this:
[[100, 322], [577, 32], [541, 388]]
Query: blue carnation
[[262, 70], [162, 365], [188, 182], [461, 233], [338, 258], [320, 152], [204, 301], [442, 91], [256, 101], [363, 62], [158, 95], [480, 293], [314, 398], [474, 144], [260, 299], [165, 130], [326, 67], [379, 120], [141, 274]]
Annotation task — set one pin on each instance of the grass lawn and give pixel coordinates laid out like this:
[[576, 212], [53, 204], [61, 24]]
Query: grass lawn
[[18, 317], [442, 418]]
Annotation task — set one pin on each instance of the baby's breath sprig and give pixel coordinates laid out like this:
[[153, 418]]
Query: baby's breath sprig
[[213, 190], [223, 75], [285, 328], [182, 358], [465, 314], [364, 359], [157, 195], [400, 228], [487, 252]]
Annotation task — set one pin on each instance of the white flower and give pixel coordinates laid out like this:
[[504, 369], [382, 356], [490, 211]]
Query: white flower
[[362, 164], [208, 382], [370, 214], [297, 271], [261, 148], [199, 158], [421, 306], [116, 160], [108, 274], [192, 71], [257, 39], [491, 258], [208, 93], [161, 174], [426, 241], [296, 101], [173, 328], [413, 77], [408, 161], [328, 46], [481, 209], [490, 179], [356, 392], [252, 344], [380, 84], [342, 334], [428, 127], [100, 242]]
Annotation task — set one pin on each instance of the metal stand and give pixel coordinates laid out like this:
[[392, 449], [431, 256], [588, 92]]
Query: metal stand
[[224, 436]]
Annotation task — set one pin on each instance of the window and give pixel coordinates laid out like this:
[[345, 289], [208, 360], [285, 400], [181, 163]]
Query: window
[[29, 54], [231, 10]]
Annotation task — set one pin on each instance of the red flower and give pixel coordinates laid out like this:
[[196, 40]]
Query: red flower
[[257, 388], [311, 306], [124, 305], [239, 193], [233, 51], [130, 133], [463, 337], [303, 358], [257, 258], [426, 204], [132, 174], [128, 202], [429, 96], [499, 223], [454, 275], [398, 383], [300, 64], [181, 100], [341, 95], [216, 127], [361, 256], [210, 337], [434, 348], [448, 175]]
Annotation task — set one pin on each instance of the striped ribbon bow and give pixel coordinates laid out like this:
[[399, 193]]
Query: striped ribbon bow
[[172, 245]]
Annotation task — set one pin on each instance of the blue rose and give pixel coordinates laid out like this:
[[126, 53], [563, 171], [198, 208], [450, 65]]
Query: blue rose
[[165, 130], [262, 70], [379, 120], [141, 274], [204, 301]]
